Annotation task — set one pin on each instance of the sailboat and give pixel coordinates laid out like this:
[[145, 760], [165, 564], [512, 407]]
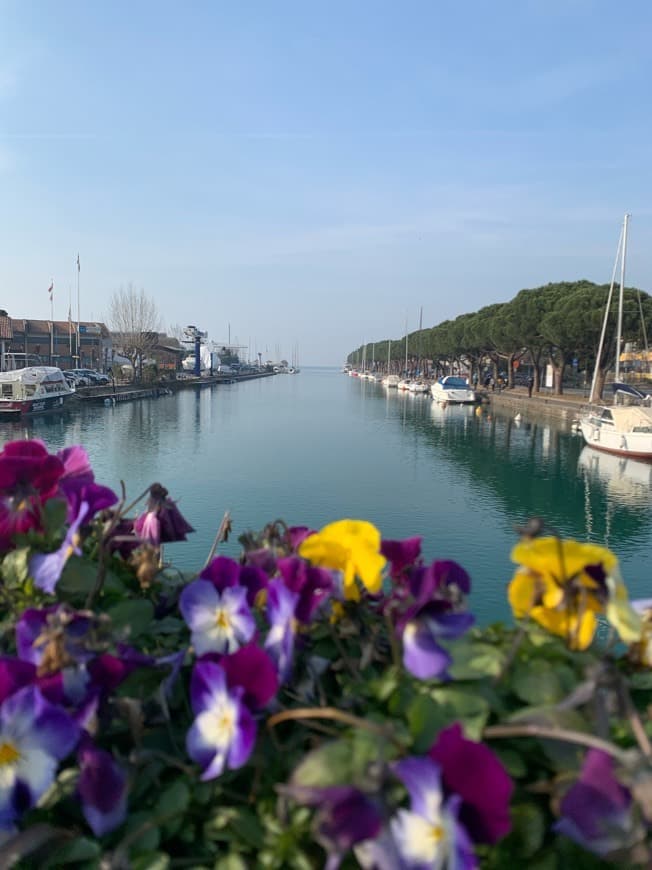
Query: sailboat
[[390, 381], [625, 430]]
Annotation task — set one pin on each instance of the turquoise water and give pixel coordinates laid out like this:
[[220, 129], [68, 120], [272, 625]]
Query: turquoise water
[[319, 446]]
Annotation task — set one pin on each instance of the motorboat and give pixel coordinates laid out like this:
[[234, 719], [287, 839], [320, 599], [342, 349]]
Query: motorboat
[[33, 390], [418, 387], [624, 428], [391, 381], [403, 384], [453, 390]]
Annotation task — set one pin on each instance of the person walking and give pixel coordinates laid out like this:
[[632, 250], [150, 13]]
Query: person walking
[[530, 384]]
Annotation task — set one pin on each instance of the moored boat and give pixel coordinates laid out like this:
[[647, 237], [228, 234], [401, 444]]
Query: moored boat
[[391, 381], [622, 429], [452, 390], [32, 390]]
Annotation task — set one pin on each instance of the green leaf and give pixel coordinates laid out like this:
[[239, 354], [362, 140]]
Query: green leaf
[[329, 764], [426, 718], [55, 512], [132, 618], [473, 659], [79, 578], [540, 682], [78, 850], [15, 567], [149, 838], [528, 829], [150, 861], [171, 807], [231, 862], [167, 625], [465, 705]]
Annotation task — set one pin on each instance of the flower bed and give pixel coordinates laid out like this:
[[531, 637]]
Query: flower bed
[[324, 701]]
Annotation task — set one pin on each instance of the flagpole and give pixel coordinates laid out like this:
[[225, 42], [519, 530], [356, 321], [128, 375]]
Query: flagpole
[[70, 321], [79, 362]]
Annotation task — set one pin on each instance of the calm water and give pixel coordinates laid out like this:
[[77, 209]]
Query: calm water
[[319, 446]]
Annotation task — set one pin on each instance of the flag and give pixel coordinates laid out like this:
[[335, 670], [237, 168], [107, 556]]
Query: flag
[[51, 289], [78, 266]]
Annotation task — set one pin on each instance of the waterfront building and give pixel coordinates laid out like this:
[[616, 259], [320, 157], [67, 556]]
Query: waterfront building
[[57, 343]]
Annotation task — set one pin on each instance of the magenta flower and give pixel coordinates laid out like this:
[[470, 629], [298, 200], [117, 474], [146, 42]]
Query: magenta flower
[[279, 643], [102, 788], [472, 771], [429, 834], [401, 554], [297, 535], [224, 732], [162, 522], [29, 476], [218, 622], [596, 810], [422, 629], [34, 737], [223, 573], [312, 585], [251, 669]]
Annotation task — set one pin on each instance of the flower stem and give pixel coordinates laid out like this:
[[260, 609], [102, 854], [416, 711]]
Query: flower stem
[[335, 714], [225, 525], [547, 732]]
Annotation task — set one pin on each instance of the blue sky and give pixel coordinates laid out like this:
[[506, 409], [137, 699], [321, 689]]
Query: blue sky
[[312, 172]]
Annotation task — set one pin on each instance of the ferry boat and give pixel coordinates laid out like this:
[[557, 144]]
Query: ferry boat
[[32, 390]]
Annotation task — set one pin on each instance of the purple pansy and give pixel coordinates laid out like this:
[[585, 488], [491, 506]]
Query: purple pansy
[[102, 788], [46, 568], [422, 628], [401, 554], [219, 622], [223, 573], [161, 522], [442, 579], [472, 771], [429, 834], [224, 732], [346, 816], [281, 603], [29, 476], [34, 736], [312, 585], [595, 811]]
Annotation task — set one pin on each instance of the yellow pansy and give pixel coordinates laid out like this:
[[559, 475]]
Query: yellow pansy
[[562, 585], [349, 546]]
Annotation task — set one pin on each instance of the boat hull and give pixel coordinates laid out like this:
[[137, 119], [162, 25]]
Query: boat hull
[[638, 445], [453, 397], [28, 407]]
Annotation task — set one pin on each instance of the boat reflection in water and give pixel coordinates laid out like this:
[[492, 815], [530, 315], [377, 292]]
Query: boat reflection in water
[[628, 481]]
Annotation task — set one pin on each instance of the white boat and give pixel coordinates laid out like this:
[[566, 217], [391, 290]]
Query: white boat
[[418, 387], [32, 390], [622, 475], [622, 429], [391, 381], [403, 385], [452, 390]]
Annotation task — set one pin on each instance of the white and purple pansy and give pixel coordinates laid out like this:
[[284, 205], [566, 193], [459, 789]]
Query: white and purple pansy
[[224, 731], [281, 604], [219, 621], [422, 630], [429, 834], [34, 737], [46, 568]]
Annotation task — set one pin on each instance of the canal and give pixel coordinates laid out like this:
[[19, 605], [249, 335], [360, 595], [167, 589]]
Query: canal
[[318, 446]]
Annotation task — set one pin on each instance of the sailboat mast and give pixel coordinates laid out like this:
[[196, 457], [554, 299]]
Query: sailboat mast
[[596, 369], [406, 347], [621, 296], [389, 348]]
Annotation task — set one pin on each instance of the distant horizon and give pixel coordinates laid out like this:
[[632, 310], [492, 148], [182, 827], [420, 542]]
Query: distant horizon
[[315, 176]]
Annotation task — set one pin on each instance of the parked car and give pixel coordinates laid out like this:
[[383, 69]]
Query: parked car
[[89, 377]]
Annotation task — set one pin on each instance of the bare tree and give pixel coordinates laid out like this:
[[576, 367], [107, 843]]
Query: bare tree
[[135, 324]]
